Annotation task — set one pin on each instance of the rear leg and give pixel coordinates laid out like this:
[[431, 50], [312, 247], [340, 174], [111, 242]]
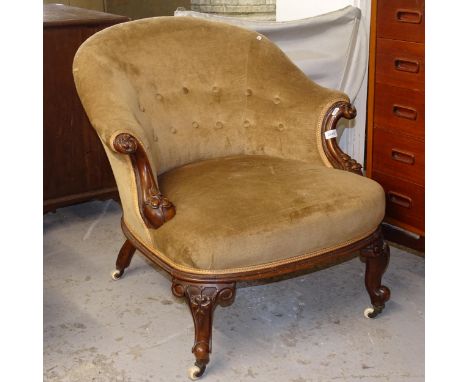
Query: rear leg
[[123, 260]]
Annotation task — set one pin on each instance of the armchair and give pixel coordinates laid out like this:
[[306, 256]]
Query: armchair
[[226, 162]]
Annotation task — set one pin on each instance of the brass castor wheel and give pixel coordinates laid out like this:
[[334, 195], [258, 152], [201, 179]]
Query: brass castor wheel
[[195, 371], [373, 312], [116, 274]]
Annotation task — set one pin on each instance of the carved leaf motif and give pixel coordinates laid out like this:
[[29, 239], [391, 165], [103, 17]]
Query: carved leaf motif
[[125, 143], [378, 247], [202, 297], [158, 200], [203, 300], [336, 156]]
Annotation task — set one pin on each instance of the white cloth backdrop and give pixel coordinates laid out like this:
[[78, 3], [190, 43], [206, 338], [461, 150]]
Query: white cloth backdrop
[[332, 49]]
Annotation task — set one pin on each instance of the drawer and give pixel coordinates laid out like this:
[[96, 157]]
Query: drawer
[[398, 156], [401, 20], [400, 63], [405, 200], [400, 110]]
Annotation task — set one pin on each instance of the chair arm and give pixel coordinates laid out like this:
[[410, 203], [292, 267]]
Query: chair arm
[[334, 154], [155, 208]]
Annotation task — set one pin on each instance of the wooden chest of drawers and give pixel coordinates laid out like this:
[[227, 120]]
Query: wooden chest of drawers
[[76, 168], [395, 131]]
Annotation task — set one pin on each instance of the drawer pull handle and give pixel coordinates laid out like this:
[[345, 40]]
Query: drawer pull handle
[[399, 199], [408, 16], [402, 156], [405, 112], [405, 65]]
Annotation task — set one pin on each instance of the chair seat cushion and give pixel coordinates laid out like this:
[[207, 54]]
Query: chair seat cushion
[[252, 211]]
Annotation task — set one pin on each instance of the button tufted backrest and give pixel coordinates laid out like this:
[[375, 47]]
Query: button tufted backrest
[[195, 89]]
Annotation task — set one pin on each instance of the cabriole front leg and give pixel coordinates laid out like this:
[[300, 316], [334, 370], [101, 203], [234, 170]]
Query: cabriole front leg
[[202, 300], [376, 257]]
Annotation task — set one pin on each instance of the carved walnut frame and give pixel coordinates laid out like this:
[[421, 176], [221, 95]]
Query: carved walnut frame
[[203, 292]]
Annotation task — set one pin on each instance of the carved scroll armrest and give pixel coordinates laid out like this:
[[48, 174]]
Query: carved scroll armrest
[[335, 155], [155, 208]]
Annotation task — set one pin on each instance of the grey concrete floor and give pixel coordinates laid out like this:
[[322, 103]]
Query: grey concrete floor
[[308, 328]]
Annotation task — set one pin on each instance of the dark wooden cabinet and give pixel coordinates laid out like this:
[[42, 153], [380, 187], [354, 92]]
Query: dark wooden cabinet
[[76, 168], [395, 120]]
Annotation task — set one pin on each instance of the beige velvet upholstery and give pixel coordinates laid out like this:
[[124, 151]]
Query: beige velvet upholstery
[[243, 211], [232, 130]]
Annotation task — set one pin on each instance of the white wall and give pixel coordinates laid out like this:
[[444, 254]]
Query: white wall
[[352, 140], [298, 9]]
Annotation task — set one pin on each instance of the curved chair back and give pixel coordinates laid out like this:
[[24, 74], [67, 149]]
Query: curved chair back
[[196, 89]]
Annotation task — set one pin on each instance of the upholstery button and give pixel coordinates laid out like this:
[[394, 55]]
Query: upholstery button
[[280, 127], [195, 124], [219, 125], [174, 130], [246, 123], [216, 90], [248, 92], [185, 90], [159, 96], [276, 100]]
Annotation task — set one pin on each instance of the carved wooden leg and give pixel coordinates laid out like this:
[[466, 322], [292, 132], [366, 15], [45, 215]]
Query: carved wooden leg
[[202, 300], [123, 260], [377, 256]]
